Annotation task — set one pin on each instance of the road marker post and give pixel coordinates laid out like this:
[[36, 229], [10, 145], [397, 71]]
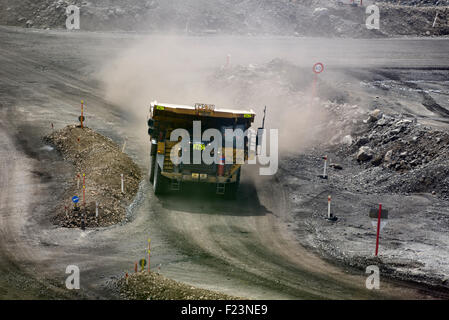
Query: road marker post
[[324, 176], [84, 191], [96, 209], [124, 144], [149, 252], [435, 20], [379, 219], [66, 210], [378, 229], [330, 216], [135, 267], [82, 114], [126, 277], [52, 127], [123, 183], [78, 178]]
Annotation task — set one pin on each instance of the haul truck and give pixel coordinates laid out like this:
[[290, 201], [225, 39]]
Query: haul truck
[[167, 176]]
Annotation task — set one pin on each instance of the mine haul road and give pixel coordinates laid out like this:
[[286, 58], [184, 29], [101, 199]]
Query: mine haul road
[[240, 248]]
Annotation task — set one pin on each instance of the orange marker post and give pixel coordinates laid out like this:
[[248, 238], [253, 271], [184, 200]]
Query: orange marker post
[[149, 251], [84, 191]]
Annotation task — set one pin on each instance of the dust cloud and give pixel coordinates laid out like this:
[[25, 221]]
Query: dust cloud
[[187, 70]]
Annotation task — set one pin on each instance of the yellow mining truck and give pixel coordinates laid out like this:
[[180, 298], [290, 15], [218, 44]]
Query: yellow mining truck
[[168, 175]]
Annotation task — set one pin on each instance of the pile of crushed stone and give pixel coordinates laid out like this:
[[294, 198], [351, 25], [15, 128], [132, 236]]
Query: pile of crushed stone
[[400, 155], [154, 286], [101, 162]]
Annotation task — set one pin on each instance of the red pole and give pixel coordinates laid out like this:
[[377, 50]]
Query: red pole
[[378, 229]]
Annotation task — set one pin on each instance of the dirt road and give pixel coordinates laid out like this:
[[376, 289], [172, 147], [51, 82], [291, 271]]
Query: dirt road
[[241, 249]]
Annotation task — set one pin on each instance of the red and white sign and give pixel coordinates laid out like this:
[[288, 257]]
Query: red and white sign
[[318, 67]]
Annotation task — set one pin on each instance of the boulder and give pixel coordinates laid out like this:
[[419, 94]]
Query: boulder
[[388, 156], [364, 154], [348, 140], [374, 115]]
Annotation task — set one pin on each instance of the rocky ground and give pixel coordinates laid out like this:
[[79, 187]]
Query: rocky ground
[[388, 159], [415, 155], [286, 17], [100, 162], [154, 286], [380, 156]]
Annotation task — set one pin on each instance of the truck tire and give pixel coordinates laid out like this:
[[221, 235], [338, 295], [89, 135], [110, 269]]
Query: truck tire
[[159, 181], [153, 160], [232, 188], [231, 191]]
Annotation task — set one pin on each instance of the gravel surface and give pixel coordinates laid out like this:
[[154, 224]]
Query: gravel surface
[[410, 181], [240, 248]]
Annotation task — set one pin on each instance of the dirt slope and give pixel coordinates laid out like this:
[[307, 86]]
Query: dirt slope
[[280, 17]]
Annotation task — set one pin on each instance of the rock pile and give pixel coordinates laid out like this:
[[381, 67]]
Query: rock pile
[[102, 163], [154, 286], [401, 155]]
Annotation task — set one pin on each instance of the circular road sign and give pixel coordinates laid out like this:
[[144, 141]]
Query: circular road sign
[[318, 67], [75, 199]]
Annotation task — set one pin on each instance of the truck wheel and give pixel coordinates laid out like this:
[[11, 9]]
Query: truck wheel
[[153, 160], [231, 191], [159, 180]]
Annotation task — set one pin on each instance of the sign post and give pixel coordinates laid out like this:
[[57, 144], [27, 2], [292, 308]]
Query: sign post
[[317, 69], [75, 200]]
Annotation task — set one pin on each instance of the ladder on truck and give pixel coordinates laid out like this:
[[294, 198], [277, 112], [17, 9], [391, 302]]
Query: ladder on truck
[[221, 188]]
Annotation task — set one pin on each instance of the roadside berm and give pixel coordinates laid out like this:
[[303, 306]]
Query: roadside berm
[[154, 286], [98, 168]]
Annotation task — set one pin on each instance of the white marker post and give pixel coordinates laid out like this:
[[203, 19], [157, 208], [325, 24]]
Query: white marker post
[[123, 183], [78, 181], [96, 209], [329, 207], [124, 145], [324, 176], [435, 20]]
